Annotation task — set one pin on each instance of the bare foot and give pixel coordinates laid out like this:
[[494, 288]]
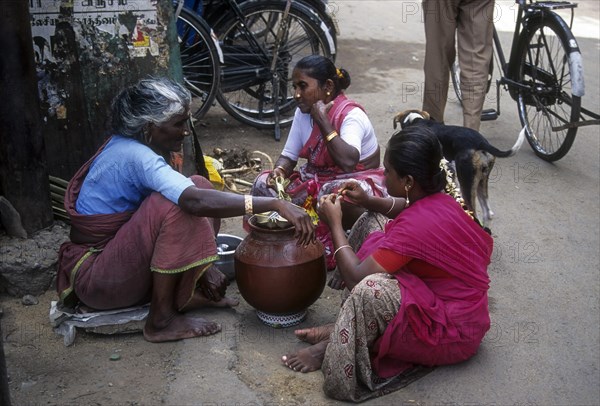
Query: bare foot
[[307, 359], [199, 300], [224, 302], [178, 328], [315, 335]]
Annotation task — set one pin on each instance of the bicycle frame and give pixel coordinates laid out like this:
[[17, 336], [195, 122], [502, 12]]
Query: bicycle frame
[[528, 10], [237, 78], [225, 6], [543, 74]]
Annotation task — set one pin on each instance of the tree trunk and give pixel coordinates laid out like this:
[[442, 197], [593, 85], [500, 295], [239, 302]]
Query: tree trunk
[[23, 170], [4, 391]]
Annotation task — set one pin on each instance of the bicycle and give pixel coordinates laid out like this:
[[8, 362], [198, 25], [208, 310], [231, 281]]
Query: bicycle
[[544, 75], [259, 41], [201, 58], [213, 11]]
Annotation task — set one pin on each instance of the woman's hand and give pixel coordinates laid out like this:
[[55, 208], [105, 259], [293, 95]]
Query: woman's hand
[[213, 283], [278, 171], [305, 231], [330, 209], [354, 193], [319, 112], [283, 166]]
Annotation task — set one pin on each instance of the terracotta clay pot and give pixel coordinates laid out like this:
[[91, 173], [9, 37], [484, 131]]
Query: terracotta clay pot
[[276, 276]]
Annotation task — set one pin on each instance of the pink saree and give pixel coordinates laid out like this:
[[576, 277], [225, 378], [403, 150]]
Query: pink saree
[[439, 321], [320, 175], [315, 149]]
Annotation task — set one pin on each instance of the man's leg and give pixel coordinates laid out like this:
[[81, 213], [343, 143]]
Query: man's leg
[[474, 43], [440, 28]]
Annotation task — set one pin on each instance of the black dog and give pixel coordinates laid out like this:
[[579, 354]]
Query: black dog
[[473, 156]]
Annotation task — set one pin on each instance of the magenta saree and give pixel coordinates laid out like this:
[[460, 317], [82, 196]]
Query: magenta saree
[[439, 321]]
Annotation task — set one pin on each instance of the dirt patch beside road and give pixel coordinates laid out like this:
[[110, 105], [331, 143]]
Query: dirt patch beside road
[[544, 295]]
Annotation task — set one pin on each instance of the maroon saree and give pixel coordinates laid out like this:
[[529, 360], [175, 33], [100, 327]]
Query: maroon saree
[[113, 268]]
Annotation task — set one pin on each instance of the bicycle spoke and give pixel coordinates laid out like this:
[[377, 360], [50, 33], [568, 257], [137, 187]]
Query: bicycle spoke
[[546, 104], [199, 60], [255, 101]]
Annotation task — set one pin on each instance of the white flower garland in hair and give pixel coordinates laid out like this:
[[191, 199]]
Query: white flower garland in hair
[[453, 190]]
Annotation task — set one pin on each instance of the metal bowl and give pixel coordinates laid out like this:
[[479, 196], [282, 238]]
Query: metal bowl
[[226, 245]]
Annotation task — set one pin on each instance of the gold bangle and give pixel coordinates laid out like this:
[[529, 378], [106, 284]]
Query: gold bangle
[[339, 248], [331, 135], [282, 168], [248, 204]]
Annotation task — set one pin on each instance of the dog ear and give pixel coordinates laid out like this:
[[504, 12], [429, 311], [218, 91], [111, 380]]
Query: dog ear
[[398, 118]]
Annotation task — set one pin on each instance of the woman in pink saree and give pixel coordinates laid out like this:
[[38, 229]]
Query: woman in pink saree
[[335, 137], [418, 289], [141, 232]]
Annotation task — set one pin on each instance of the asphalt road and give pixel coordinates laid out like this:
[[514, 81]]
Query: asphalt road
[[544, 344], [543, 347]]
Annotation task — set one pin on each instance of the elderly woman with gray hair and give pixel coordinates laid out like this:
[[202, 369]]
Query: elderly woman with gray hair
[[141, 231]]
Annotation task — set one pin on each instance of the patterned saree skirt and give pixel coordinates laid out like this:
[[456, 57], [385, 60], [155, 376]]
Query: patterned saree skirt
[[363, 317]]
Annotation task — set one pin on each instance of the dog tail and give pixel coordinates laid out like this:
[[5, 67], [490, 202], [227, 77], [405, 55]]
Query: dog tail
[[504, 154]]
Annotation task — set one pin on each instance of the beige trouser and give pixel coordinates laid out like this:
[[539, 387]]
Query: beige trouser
[[471, 21]]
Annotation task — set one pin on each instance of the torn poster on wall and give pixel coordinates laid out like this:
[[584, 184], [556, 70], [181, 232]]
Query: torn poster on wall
[[92, 38], [135, 21]]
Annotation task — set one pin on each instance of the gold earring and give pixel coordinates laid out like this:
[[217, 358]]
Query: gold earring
[[406, 188], [186, 133], [328, 93]]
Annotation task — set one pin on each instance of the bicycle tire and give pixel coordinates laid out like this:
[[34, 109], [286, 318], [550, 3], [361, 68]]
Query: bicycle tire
[[544, 67], [253, 103], [321, 9], [199, 61], [217, 11], [455, 76]]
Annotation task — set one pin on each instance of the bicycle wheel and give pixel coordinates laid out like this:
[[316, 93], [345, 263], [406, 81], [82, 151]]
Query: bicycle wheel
[[247, 85], [455, 76], [325, 13], [199, 61], [215, 12], [548, 103]]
